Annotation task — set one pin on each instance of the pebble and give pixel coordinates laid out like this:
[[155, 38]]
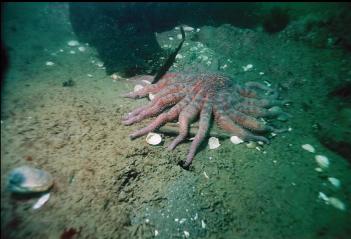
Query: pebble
[[322, 161], [171, 38], [49, 63], [213, 143], [72, 52], [89, 75], [236, 140], [308, 148]]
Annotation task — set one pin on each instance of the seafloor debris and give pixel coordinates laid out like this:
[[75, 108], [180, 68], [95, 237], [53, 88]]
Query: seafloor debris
[[26, 179], [68, 83]]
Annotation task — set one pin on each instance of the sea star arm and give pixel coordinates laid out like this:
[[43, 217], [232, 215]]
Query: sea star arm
[[204, 124], [186, 116]]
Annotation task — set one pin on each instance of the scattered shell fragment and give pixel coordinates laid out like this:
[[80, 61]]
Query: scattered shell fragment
[[81, 48], [181, 221], [335, 202], [198, 30], [73, 43], [171, 38], [334, 181], [203, 224], [72, 52], [156, 233], [151, 96], [322, 161], [90, 75], [186, 234], [138, 87], [236, 140], [153, 139], [179, 56], [318, 170], [49, 63], [247, 67], [206, 176], [26, 179], [41, 201], [251, 145], [261, 73], [323, 197], [308, 148], [179, 36], [213, 143], [188, 28]]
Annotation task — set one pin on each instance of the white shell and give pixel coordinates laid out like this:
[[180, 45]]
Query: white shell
[[323, 197], [247, 67], [308, 147], [49, 63], [41, 201], [188, 29], [153, 139], [334, 181], [73, 43], [213, 143], [138, 87], [203, 224], [151, 96], [236, 140], [322, 161], [186, 234], [335, 202]]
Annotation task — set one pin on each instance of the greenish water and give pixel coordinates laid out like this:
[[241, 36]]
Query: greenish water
[[61, 111]]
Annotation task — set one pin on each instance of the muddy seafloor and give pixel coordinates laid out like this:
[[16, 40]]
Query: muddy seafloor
[[107, 186]]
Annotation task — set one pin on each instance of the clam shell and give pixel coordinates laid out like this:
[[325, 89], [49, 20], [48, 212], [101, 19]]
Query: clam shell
[[26, 179], [213, 143], [153, 139]]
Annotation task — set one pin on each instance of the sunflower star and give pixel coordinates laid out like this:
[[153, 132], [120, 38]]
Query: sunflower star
[[236, 108]]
